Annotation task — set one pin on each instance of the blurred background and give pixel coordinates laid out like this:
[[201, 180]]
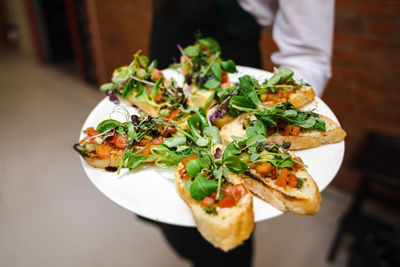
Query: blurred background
[[53, 56]]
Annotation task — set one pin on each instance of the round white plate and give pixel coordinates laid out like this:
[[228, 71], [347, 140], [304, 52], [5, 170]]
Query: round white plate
[[150, 191]]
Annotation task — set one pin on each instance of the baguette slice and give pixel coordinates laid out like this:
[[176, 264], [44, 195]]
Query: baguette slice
[[111, 163], [303, 201], [300, 98], [230, 227], [307, 138]]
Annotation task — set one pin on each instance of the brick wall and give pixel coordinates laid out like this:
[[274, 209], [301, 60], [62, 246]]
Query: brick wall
[[363, 91]]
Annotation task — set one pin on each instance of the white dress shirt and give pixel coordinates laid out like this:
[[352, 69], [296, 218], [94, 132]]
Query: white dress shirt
[[303, 32]]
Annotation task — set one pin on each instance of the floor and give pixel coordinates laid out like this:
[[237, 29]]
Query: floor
[[51, 214]]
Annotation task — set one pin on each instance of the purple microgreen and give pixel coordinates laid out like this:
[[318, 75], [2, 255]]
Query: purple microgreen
[[218, 153], [184, 55]]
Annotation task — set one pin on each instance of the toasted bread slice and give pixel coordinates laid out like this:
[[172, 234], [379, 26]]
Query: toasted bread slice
[[300, 98], [304, 200], [307, 138], [111, 163], [227, 229]]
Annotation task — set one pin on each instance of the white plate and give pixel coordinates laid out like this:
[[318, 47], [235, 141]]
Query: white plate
[[150, 191]]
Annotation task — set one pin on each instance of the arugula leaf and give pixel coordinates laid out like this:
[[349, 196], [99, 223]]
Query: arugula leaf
[[135, 160], [175, 141], [193, 167], [142, 95], [286, 74], [247, 89], [205, 160], [192, 50], [231, 149], [211, 44], [228, 66], [216, 71], [166, 158], [213, 132], [212, 83], [107, 86], [256, 128], [155, 88], [152, 65], [235, 164], [107, 125], [143, 61], [202, 187]]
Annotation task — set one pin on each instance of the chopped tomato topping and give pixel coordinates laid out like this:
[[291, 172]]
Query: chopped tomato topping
[[263, 168], [187, 159], [291, 130], [143, 141], [186, 177], [92, 132], [121, 142], [165, 132], [157, 74], [173, 114], [103, 151], [296, 165], [281, 181], [227, 202], [292, 180], [207, 201], [112, 139], [158, 98], [238, 190], [224, 78], [154, 141]]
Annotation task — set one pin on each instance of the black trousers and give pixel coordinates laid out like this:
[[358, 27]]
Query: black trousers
[[176, 22], [189, 244]]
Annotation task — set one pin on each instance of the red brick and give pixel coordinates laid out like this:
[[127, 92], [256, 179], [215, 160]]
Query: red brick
[[382, 26], [377, 45], [344, 40], [374, 62], [379, 7], [345, 57], [344, 5], [349, 24]]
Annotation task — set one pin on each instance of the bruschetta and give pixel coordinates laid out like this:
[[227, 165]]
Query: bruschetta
[[223, 213]]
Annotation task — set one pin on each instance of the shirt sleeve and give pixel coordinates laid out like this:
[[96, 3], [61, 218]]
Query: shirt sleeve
[[303, 32]]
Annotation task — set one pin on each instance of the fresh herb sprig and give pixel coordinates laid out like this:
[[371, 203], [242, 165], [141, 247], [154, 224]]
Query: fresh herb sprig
[[204, 65]]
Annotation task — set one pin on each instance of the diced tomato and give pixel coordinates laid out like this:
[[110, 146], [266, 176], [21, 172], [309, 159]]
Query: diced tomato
[[292, 180], [157, 74], [224, 78], [143, 141], [272, 174], [170, 130], [173, 114], [194, 156], [263, 168], [238, 190], [121, 142], [281, 181], [207, 201], [296, 165], [103, 151], [181, 171], [281, 123], [295, 130], [291, 130], [227, 202], [186, 177], [112, 139], [92, 132], [158, 98], [156, 141], [271, 97]]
